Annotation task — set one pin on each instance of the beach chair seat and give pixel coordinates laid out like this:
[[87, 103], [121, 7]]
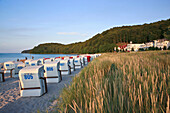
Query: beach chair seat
[[52, 72], [78, 63], [72, 65], [48, 60], [82, 61], [66, 58], [41, 61], [57, 59], [18, 68], [73, 57], [71, 62], [88, 58], [64, 67], [92, 57], [9, 67], [27, 62], [2, 79], [32, 81], [85, 60], [35, 62]]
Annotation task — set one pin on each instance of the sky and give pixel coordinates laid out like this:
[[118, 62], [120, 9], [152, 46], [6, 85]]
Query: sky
[[27, 23]]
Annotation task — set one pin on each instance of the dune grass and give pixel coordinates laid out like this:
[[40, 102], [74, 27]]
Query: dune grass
[[120, 82]]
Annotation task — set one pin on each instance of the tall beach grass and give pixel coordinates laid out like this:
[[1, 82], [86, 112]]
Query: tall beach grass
[[120, 82]]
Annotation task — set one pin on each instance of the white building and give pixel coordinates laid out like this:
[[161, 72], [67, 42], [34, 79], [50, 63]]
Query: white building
[[134, 46], [160, 43], [165, 43], [149, 44]]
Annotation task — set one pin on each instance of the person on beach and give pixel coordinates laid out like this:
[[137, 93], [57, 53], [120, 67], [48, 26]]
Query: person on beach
[[32, 57], [22, 60]]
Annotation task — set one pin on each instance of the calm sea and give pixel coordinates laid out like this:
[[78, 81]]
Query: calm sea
[[14, 56]]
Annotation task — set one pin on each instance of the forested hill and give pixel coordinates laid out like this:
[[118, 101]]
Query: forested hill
[[107, 40]]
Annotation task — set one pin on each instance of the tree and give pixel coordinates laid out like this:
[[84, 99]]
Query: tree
[[117, 50], [106, 41], [132, 49], [169, 48], [164, 48], [156, 48], [141, 49]]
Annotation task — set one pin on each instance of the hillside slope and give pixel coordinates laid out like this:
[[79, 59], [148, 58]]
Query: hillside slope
[[107, 40]]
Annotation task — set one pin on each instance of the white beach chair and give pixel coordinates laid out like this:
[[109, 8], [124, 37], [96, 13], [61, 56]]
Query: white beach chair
[[9, 67], [32, 81], [57, 59], [74, 56], [66, 58], [52, 59], [2, 77], [77, 62], [64, 67], [85, 60], [96, 55], [72, 65], [41, 61], [52, 72], [1, 73], [48, 60], [82, 61], [92, 57], [35, 62], [27, 62], [18, 68]]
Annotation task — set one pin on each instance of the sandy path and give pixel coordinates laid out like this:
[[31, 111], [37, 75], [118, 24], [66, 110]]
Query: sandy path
[[11, 102]]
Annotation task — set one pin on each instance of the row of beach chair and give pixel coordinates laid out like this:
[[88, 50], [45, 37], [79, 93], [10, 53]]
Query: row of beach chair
[[34, 75]]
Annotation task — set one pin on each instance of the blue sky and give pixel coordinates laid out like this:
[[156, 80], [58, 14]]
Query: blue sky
[[27, 23]]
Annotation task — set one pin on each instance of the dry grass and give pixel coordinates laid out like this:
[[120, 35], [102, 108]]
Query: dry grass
[[123, 82]]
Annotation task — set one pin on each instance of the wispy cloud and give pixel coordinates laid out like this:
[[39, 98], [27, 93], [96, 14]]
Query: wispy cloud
[[17, 29], [71, 33]]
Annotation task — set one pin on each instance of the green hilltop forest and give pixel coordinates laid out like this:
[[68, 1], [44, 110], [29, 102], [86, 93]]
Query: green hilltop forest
[[107, 40]]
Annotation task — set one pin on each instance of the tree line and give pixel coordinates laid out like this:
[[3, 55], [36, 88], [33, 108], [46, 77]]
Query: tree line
[[107, 40]]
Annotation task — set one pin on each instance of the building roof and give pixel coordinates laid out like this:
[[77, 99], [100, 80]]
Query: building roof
[[123, 46]]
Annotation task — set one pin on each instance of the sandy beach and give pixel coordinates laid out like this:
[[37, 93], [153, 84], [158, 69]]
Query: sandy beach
[[11, 102]]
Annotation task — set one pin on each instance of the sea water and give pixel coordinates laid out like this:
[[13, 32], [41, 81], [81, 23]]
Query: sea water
[[14, 56]]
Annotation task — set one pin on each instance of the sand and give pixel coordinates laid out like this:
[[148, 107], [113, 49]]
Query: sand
[[12, 102]]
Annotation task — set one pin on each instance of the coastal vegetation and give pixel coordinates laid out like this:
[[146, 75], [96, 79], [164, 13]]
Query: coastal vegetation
[[107, 40], [120, 82]]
